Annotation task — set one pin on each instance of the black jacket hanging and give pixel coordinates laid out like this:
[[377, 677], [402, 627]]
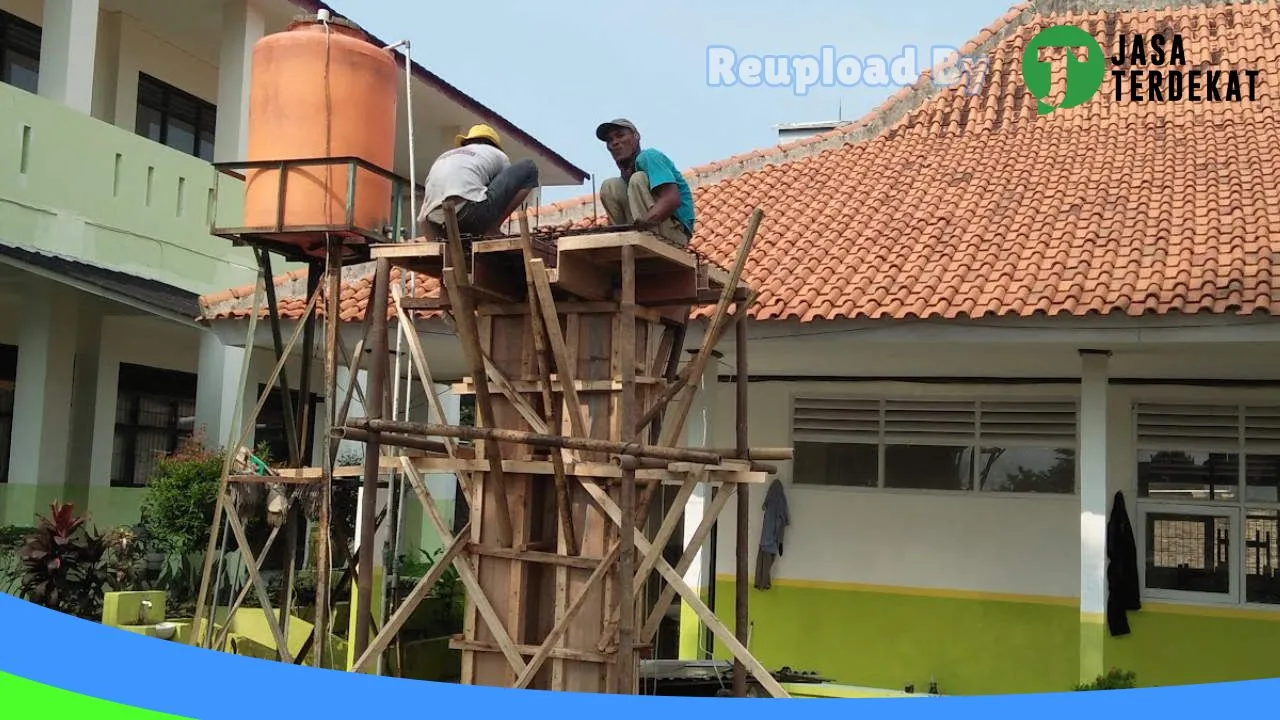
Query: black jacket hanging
[[1122, 569]]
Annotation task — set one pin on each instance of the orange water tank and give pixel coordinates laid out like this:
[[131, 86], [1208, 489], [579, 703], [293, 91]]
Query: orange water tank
[[321, 91]]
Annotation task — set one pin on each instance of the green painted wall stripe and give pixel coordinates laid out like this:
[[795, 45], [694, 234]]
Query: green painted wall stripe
[[1060, 600], [977, 646], [21, 699]]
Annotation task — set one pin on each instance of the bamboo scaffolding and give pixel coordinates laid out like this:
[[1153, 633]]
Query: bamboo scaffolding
[[574, 364]]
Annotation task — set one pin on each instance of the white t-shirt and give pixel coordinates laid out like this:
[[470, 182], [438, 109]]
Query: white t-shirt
[[463, 172]]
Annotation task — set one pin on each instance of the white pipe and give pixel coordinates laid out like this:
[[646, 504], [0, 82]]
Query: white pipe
[[413, 201], [400, 338]]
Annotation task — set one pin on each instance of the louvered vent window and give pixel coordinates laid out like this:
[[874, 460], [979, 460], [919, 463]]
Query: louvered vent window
[[1189, 452], [917, 444], [837, 441], [1209, 496], [1208, 452]]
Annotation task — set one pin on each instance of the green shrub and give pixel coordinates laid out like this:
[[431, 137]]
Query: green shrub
[[447, 595], [1114, 679], [177, 510], [12, 538], [181, 495]]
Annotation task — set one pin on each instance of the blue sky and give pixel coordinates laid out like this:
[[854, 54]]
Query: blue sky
[[557, 69]]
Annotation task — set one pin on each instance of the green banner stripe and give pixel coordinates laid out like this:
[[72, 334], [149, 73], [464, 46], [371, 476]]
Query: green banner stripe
[[21, 699]]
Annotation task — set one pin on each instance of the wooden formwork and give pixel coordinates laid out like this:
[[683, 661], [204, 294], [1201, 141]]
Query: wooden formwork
[[573, 346], [580, 399]]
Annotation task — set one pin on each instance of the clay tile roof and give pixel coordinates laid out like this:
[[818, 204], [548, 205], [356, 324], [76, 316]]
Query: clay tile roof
[[950, 203]]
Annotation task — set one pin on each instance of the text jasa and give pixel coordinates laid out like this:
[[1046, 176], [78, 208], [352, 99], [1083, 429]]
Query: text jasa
[[1173, 85]]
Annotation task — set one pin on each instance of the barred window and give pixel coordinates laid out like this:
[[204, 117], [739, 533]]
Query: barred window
[[155, 412], [1208, 477], [19, 52]]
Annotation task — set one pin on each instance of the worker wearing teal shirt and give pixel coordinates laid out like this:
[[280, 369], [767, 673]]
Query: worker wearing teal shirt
[[651, 194]]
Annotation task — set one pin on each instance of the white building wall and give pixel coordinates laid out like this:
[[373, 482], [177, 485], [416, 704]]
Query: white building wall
[[142, 51], [30, 10], [983, 542]]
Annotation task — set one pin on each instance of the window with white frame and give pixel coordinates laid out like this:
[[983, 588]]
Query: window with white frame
[[1022, 446], [1209, 502]]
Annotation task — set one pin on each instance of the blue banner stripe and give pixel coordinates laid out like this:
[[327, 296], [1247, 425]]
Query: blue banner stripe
[[101, 662]]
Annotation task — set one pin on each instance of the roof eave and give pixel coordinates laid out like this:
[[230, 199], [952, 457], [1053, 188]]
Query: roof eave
[[466, 101]]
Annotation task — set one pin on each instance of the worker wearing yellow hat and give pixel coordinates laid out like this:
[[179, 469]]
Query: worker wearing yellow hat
[[481, 181]]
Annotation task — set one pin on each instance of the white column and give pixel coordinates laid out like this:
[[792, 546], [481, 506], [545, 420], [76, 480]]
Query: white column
[[217, 386], [104, 424], [131, 40], [443, 486], [106, 81], [242, 26], [699, 431], [220, 365], [68, 41], [1093, 510], [85, 396], [43, 389]]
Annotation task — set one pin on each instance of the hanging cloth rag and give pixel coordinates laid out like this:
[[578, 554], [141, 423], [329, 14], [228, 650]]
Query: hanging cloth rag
[[776, 518], [1122, 569]]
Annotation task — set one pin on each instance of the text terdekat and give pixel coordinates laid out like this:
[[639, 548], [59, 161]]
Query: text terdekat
[[1174, 84]]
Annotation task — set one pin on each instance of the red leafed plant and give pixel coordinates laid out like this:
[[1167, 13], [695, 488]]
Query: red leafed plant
[[63, 563]]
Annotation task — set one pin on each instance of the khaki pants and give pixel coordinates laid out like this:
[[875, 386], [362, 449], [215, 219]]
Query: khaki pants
[[627, 201]]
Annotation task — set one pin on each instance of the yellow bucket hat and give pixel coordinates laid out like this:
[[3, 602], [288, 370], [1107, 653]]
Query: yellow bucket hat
[[479, 131]]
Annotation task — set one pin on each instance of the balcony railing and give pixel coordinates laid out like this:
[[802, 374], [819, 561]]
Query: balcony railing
[[79, 187]]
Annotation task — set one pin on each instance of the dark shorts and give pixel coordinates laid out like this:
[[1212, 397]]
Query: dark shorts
[[476, 218]]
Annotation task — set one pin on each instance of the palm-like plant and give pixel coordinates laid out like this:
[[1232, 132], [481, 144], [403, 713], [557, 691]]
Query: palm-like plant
[[63, 563]]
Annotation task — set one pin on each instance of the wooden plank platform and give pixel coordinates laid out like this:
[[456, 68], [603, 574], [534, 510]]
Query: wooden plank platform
[[573, 347], [583, 267]]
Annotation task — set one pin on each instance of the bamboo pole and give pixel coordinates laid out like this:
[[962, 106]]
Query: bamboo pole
[[411, 603], [404, 441], [540, 349], [456, 285], [627, 496], [338, 588], [369, 489], [286, 398], [528, 438], [231, 451], [741, 617], [324, 556], [718, 319]]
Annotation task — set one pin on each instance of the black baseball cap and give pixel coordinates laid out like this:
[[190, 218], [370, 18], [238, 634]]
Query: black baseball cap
[[605, 127]]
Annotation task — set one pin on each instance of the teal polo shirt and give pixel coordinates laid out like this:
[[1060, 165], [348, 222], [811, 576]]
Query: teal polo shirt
[[660, 171]]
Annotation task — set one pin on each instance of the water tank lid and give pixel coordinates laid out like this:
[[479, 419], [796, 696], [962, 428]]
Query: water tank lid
[[314, 19]]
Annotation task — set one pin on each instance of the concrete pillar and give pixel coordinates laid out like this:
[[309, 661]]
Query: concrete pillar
[[104, 413], [242, 26], [67, 48], [699, 431], [106, 81], [217, 385], [42, 397], [86, 371], [1093, 510]]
